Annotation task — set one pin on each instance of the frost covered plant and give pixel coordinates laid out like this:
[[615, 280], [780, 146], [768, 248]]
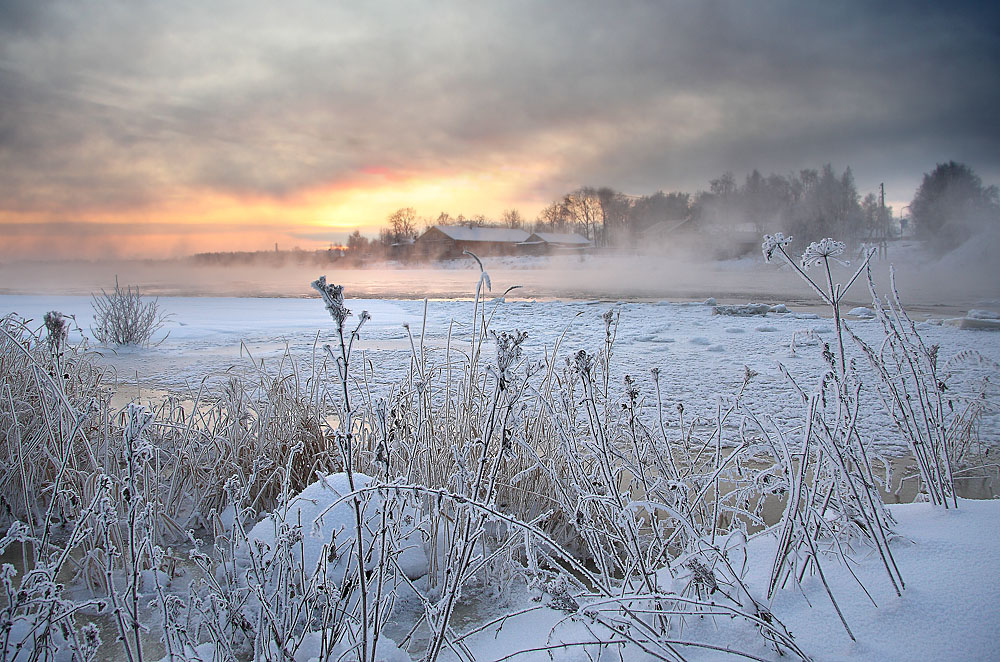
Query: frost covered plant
[[934, 417], [832, 448], [773, 242], [333, 297], [819, 252], [124, 317], [508, 353], [57, 329]]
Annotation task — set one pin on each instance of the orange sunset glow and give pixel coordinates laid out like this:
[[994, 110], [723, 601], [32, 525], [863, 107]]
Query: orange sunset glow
[[311, 219]]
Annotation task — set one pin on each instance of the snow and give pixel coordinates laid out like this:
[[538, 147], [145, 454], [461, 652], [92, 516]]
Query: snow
[[311, 649], [862, 312], [949, 559], [202, 653], [322, 517], [464, 233], [700, 355], [570, 238], [948, 611], [977, 319]]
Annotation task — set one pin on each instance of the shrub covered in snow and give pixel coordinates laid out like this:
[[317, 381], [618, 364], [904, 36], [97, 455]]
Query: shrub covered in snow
[[124, 317]]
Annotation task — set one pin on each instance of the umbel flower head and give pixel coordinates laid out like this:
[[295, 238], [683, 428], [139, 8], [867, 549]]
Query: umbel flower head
[[822, 250], [772, 242], [333, 297]]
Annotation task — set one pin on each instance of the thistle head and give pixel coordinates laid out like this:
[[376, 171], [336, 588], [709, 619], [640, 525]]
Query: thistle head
[[583, 363], [610, 318], [333, 297], [631, 390], [57, 328]]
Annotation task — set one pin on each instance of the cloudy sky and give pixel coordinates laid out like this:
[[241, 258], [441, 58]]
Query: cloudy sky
[[169, 127]]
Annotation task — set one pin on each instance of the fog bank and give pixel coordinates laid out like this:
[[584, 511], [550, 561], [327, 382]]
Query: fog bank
[[964, 279]]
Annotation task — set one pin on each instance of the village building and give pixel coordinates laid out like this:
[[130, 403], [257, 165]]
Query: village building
[[449, 241], [541, 243]]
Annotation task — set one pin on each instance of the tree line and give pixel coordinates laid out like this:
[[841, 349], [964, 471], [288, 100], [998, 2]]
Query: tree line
[[949, 206]]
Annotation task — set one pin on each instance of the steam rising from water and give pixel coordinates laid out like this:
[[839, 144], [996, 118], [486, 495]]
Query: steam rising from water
[[967, 278]]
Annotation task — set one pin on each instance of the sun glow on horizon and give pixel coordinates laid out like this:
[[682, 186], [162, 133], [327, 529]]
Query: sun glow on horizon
[[316, 218]]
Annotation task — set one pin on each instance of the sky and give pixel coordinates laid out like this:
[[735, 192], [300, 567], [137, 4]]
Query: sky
[[165, 128]]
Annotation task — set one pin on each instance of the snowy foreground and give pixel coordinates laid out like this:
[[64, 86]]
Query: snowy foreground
[[949, 610], [700, 355]]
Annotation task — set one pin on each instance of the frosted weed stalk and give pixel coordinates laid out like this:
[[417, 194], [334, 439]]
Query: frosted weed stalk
[[933, 411], [842, 504], [543, 462], [937, 425]]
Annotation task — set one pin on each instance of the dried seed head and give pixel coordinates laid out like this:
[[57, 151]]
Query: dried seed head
[[333, 297], [818, 251], [631, 389], [58, 330], [583, 363], [772, 242], [508, 352]]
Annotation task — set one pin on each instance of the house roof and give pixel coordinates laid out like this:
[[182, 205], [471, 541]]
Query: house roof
[[664, 228], [565, 238], [499, 235]]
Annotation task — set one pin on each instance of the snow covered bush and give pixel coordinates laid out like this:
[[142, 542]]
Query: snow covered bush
[[123, 317]]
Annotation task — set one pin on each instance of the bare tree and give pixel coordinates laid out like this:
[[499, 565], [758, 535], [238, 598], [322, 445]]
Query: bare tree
[[555, 217], [357, 243], [511, 218], [615, 214], [402, 225], [584, 209]]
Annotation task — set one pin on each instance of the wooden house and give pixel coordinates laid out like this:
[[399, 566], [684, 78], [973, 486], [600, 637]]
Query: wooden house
[[449, 241]]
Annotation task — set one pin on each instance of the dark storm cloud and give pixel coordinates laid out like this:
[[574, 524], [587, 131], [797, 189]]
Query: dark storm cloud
[[115, 105]]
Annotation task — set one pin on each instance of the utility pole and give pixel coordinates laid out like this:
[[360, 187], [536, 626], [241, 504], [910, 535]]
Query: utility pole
[[883, 228]]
